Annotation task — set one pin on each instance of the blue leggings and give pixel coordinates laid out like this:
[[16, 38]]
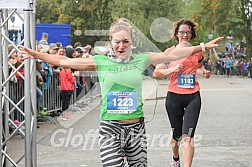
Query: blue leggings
[[183, 111]]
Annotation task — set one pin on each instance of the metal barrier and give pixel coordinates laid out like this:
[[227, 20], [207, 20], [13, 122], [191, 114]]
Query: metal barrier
[[85, 92], [17, 100], [51, 96]]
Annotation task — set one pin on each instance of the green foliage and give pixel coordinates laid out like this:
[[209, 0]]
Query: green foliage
[[229, 18], [46, 11], [99, 14], [220, 17]]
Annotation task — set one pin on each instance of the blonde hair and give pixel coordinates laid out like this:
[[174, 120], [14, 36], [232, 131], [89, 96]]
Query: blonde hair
[[120, 24]]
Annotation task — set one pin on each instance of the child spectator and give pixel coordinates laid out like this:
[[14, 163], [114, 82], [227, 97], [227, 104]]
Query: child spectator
[[41, 78]]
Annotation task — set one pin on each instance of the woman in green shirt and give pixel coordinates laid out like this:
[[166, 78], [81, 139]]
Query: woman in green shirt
[[122, 129]]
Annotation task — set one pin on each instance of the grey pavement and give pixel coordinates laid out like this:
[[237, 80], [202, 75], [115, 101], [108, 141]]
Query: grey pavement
[[223, 137]]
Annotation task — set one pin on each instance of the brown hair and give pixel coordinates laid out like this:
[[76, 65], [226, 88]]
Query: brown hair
[[190, 23], [120, 24]]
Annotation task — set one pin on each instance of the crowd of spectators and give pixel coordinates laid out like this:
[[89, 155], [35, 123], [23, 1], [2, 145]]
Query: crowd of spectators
[[47, 76], [231, 62]]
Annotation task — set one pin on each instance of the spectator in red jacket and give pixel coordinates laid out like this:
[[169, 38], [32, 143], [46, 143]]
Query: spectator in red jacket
[[66, 90]]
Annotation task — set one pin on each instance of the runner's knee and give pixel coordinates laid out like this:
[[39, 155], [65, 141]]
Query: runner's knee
[[187, 139]]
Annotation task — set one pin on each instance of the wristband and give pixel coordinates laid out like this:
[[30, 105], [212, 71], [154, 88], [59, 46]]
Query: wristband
[[203, 48]]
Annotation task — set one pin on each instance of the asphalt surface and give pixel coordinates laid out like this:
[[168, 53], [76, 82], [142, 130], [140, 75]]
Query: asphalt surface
[[223, 137]]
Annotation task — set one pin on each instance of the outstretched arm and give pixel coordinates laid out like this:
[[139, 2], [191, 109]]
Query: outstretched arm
[[179, 53], [63, 61]]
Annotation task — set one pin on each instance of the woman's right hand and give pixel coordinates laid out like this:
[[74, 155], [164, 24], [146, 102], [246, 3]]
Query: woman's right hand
[[29, 53], [178, 68]]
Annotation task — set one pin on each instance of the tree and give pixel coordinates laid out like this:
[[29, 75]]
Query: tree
[[99, 14], [228, 18], [245, 9], [158, 9], [46, 11]]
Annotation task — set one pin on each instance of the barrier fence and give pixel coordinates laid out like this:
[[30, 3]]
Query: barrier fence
[[48, 99]]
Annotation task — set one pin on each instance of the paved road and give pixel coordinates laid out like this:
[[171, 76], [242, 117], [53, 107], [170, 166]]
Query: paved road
[[223, 136]]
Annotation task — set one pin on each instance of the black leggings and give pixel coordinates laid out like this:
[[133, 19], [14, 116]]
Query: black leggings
[[65, 98], [183, 111]]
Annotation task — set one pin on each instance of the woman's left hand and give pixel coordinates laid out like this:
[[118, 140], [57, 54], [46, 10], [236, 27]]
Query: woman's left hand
[[206, 73], [213, 43]]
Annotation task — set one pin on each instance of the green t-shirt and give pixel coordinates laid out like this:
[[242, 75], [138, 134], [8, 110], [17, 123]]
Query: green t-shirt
[[121, 86]]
